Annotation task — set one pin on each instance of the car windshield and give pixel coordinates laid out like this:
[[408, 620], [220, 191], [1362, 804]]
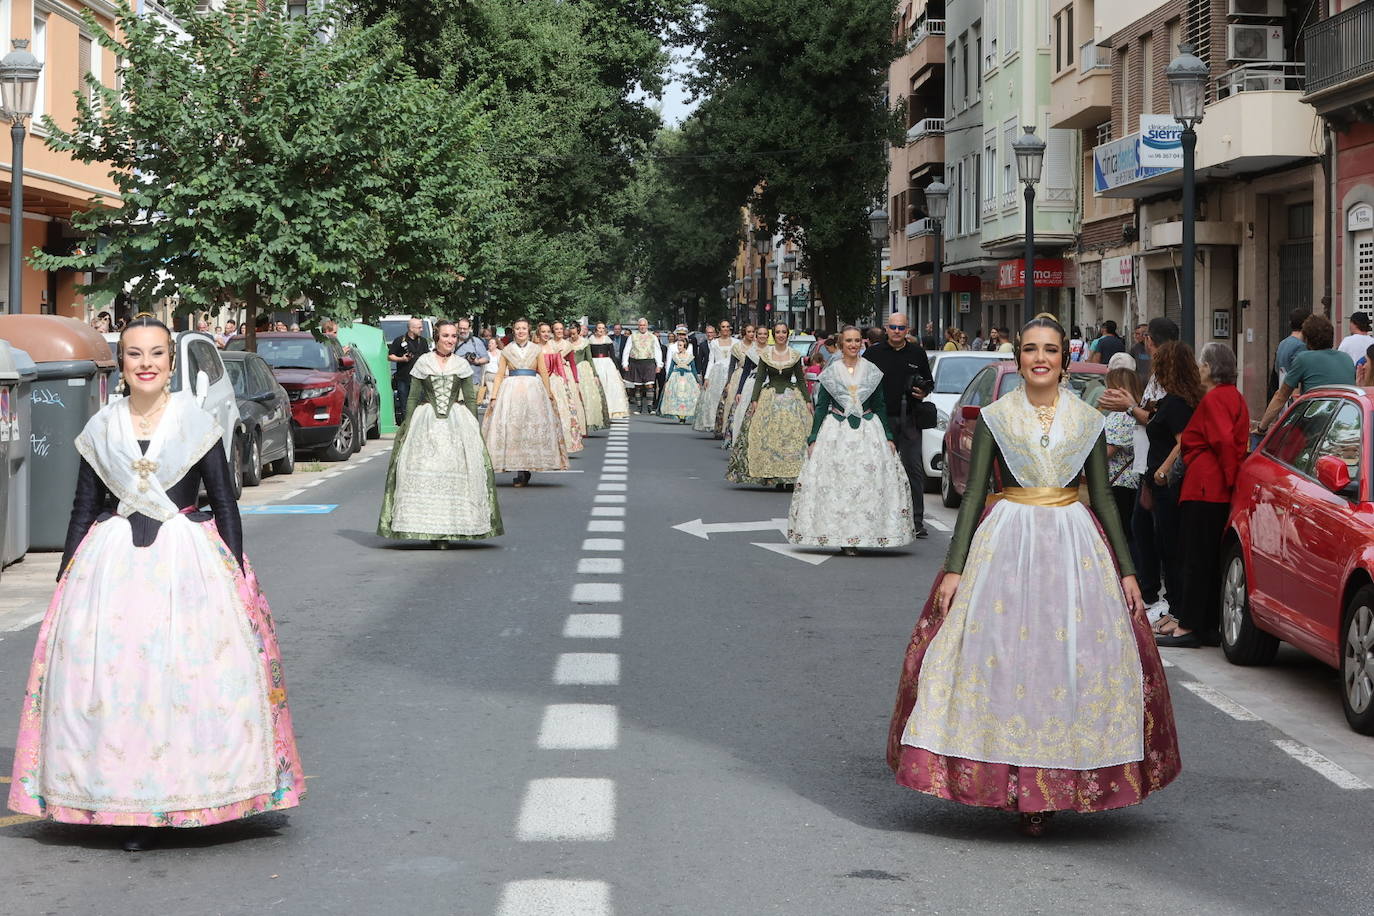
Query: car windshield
[[238, 376], [291, 352], [953, 373], [802, 346]]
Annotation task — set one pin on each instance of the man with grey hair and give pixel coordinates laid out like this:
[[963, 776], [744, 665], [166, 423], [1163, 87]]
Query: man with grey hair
[[641, 363], [907, 380]]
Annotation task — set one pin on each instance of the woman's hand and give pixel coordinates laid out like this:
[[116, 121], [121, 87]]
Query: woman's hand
[[1135, 603], [949, 585], [892, 445]]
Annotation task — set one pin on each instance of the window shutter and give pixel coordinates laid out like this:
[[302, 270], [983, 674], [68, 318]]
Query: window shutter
[[1364, 270], [1059, 160], [83, 66]]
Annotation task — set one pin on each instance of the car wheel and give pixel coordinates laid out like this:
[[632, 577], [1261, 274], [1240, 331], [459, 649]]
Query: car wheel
[[252, 462], [948, 495], [1357, 661], [343, 445], [286, 464], [375, 430], [359, 435], [236, 468], [1242, 641]]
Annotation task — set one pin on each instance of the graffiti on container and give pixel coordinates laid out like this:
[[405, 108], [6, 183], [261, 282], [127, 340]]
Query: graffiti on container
[[39, 445], [46, 396]]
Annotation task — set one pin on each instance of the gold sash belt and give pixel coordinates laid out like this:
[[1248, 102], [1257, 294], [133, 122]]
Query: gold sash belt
[[1055, 497]]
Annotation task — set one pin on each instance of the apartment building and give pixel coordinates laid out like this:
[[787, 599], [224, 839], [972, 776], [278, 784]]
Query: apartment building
[[1260, 192], [55, 185]]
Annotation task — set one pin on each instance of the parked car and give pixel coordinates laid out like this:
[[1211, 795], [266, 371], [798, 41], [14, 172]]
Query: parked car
[[394, 326], [1087, 380], [370, 397], [802, 343], [326, 399], [264, 437], [953, 370], [1298, 559]]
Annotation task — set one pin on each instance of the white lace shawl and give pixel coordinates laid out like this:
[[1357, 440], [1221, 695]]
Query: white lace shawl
[[1075, 430], [850, 391], [428, 365]]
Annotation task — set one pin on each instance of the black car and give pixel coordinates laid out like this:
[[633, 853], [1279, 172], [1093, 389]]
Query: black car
[[370, 399], [263, 438]]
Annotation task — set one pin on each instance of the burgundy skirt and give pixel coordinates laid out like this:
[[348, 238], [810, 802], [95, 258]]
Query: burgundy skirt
[[1035, 789]]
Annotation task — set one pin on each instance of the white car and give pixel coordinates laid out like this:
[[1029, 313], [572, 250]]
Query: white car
[[200, 371], [953, 369]]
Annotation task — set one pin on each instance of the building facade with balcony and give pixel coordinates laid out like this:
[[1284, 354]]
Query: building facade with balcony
[[1340, 88], [916, 82], [55, 184], [1260, 192]]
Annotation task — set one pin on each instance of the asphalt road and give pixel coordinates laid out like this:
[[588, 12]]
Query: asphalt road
[[528, 727]]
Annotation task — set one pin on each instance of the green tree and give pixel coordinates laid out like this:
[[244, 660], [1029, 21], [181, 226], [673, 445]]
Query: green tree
[[795, 113], [260, 164]]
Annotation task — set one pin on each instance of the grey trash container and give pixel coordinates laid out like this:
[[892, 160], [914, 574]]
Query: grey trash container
[[71, 384], [19, 424], [9, 382]]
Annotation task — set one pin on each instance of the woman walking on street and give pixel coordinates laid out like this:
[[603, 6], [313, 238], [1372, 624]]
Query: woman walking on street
[[737, 408], [1212, 445], [717, 375], [593, 401], [852, 490], [1032, 683], [521, 426], [612, 385], [440, 486], [681, 390], [565, 401], [156, 696], [742, 347], [771, 445]]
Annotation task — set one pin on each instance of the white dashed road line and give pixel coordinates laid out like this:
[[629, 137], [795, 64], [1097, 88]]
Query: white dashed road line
[[606, 545], [587, 669], [555, 898], [579, 727], [1324, 766], [567, 809], [592, 626], [596, 593], [1220, 701]]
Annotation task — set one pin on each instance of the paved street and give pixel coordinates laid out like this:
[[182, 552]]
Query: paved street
[[602, 712]]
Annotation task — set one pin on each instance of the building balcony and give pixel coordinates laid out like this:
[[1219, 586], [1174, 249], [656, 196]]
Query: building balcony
[[1082, 97], [911, 251], [1258, 122], [924, 149], [1340, 69], [925, 49]]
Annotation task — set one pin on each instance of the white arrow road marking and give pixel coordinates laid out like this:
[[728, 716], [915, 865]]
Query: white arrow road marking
[[805, 554], [704, 530]]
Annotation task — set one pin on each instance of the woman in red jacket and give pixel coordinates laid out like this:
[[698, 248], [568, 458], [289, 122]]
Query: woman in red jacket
[[1212, 447]]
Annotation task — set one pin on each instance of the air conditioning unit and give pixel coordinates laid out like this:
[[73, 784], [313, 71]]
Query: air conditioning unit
[[1254, 42], [1268, 9]]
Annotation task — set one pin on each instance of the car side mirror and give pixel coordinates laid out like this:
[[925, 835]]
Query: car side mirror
[[265, 397], [1332, 473], [970, 412], [346, 362]]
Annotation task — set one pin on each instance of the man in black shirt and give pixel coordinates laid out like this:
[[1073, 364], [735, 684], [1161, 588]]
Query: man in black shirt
[[402, 354], [907, 380], [1108, 345]]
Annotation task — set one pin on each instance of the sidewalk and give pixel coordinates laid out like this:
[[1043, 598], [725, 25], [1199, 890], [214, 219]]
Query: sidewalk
[[27, 586]]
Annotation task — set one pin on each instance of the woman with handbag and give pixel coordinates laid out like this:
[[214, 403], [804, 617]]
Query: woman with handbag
[[1212, 445], [1176, 373]]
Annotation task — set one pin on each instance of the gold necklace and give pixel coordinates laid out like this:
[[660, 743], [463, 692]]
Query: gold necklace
[[1046, 417], [145, 420]]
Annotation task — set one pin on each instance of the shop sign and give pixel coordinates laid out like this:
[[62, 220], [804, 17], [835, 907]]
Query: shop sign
[[1048, 272], [965, 303], [1161, 142], [1361, 216], [1118, 272], [1118, 163]]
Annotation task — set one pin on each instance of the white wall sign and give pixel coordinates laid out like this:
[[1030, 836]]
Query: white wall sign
[[1361, 216], [1118, 272], [1161, 141]]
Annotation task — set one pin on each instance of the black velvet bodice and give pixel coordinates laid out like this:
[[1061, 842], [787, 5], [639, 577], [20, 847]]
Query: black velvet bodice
[[606, 350], [95, 503]]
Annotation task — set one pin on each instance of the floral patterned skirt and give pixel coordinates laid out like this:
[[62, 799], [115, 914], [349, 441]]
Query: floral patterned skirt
[[680, 394], [521, 428], [771, 445], [156, 696], [852, 491]]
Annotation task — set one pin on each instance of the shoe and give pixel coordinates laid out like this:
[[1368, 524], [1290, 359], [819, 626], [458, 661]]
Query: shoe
[[1186, 641], [850, 551], [1156, 609], [140, 840], [1036, 824], [922, 533], [521, 478]]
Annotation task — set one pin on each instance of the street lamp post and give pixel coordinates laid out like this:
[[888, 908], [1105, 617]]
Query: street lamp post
[[1187, 76], [1030, 159], [789, 269], [937, 202], [877, 228], [19, 71], [763, 243]]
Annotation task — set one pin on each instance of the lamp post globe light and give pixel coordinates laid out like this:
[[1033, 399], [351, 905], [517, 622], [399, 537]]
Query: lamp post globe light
[[1030, 160], [19, 71], [1187, 76], [937, 204], [877, 230]]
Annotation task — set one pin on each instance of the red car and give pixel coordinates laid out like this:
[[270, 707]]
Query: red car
[[326, 397], [1088, 380], [1299, 553]]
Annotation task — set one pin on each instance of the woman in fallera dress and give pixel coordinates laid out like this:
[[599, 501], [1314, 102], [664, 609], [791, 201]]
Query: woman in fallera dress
[[771, 445], [681, 390], [740, 404], [612, 385], [521, 425], [717, 375], [1032, 683], [739, 355], [156, 696], [565, 346], [593, 400], [440, 486], [565, 400], [852, 490]]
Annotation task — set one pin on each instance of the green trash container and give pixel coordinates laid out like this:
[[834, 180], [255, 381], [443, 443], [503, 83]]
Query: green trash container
[[71, 383], [373, 345], [15, 410]]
